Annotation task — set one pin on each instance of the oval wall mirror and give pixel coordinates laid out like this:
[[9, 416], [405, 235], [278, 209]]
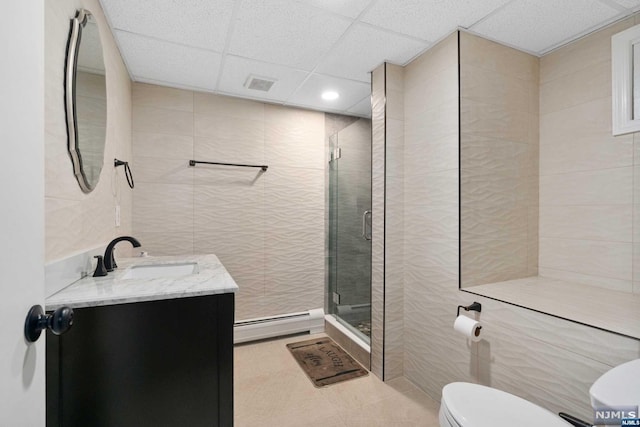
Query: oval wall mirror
[[85, 100]]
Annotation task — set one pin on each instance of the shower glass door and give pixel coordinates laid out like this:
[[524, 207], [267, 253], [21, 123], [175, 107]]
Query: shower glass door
[[350, 227]]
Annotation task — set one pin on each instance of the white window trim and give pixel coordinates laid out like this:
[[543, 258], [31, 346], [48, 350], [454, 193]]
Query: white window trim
[[622, 81]]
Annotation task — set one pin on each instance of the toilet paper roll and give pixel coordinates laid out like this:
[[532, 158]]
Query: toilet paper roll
[[468, 327]]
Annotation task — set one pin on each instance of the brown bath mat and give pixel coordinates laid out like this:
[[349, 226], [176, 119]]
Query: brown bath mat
[[324, 362]]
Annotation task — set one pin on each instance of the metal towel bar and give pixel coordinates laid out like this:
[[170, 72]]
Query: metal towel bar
[[195, 162]]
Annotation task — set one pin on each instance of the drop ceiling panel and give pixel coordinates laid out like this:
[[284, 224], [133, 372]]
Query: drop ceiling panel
[[177, 65], [198, 23], [309, 94], [236, 70], [429, 19], [310, 45], [285, 32], [362, 108], [537, 25], [350, 8], [365, 47]]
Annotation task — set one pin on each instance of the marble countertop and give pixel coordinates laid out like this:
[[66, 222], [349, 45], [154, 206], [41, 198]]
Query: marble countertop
[[211, 278]]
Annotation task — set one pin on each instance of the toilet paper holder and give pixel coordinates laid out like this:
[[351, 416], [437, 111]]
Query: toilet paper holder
[[476, 306]]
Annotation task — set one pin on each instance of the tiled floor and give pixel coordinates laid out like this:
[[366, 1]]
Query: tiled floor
[[272, 390]]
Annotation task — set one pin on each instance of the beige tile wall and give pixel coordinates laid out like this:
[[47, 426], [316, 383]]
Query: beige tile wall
[[549, 361], [394, 223], [378, 141], [431, 217], [267, 228], [586, 174], [75, 221], [499, 162], [387, 244]]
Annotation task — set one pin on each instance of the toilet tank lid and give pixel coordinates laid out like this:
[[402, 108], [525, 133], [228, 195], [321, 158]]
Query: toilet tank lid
[[474, 405], [619, 386]]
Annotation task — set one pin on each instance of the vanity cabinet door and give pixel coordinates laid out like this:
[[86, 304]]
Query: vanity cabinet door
[[159, 363]]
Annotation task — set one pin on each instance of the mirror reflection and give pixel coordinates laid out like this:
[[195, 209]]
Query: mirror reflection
[[87, 129], [547, 192]]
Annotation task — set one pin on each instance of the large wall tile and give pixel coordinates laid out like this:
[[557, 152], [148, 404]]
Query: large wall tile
[[437, 188], [162, 170], [225, 138], [489, 87], [587, 279], [237, 188], [437, 221], [439, 87], [495, 221], [430, 154], [294, 188], [579, 139], [607, 222], [225, 106], [494, 121], [166, 207], [163, 146], [441, 57], [596, 187], [431, 123], [491, 56], [159, 243], [162, 97], [58, 239], [606, 259], [162, 120], [496, 156], [585, 85], [294, 138]]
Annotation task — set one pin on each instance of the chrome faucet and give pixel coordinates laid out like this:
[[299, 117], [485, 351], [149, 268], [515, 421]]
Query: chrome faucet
[[109, 260]]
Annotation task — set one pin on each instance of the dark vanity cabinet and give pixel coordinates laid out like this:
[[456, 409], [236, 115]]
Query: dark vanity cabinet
[[164, 363]]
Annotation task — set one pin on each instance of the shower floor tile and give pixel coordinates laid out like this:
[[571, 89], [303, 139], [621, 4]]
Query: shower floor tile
[[272, 390]]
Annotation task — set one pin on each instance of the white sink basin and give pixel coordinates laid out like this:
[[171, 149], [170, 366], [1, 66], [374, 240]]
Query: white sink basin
[[156, 271]]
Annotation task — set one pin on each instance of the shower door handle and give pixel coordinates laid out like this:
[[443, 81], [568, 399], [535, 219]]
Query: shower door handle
[[364, 225]]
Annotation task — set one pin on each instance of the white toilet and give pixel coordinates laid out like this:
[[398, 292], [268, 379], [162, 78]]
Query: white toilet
[[473, 405], [617, 387]]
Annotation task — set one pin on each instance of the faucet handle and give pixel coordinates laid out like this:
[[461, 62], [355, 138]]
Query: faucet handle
[[100, 268]]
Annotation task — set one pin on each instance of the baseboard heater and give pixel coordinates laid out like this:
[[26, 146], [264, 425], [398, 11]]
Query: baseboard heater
[[311, 321]]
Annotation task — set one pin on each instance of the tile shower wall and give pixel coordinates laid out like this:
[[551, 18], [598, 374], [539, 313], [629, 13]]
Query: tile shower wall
[[499, 162], [586, 174], [549, 361], [267, 228], [394, 223], [387, 257], [74, 221], [378, 159], [431, 218]]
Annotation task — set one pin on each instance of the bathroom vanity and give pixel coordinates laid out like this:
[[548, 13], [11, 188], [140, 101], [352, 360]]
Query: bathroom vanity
[[151, 345]]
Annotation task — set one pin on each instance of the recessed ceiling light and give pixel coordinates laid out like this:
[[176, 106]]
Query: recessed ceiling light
[[330, 95]]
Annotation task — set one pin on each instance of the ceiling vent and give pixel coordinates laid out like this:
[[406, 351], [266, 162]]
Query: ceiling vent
[[262, 84]]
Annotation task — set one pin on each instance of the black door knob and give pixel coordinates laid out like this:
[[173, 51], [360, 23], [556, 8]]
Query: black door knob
[[59, 322]]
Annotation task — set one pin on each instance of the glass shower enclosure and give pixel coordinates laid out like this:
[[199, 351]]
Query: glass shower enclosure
[[349, 234]]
